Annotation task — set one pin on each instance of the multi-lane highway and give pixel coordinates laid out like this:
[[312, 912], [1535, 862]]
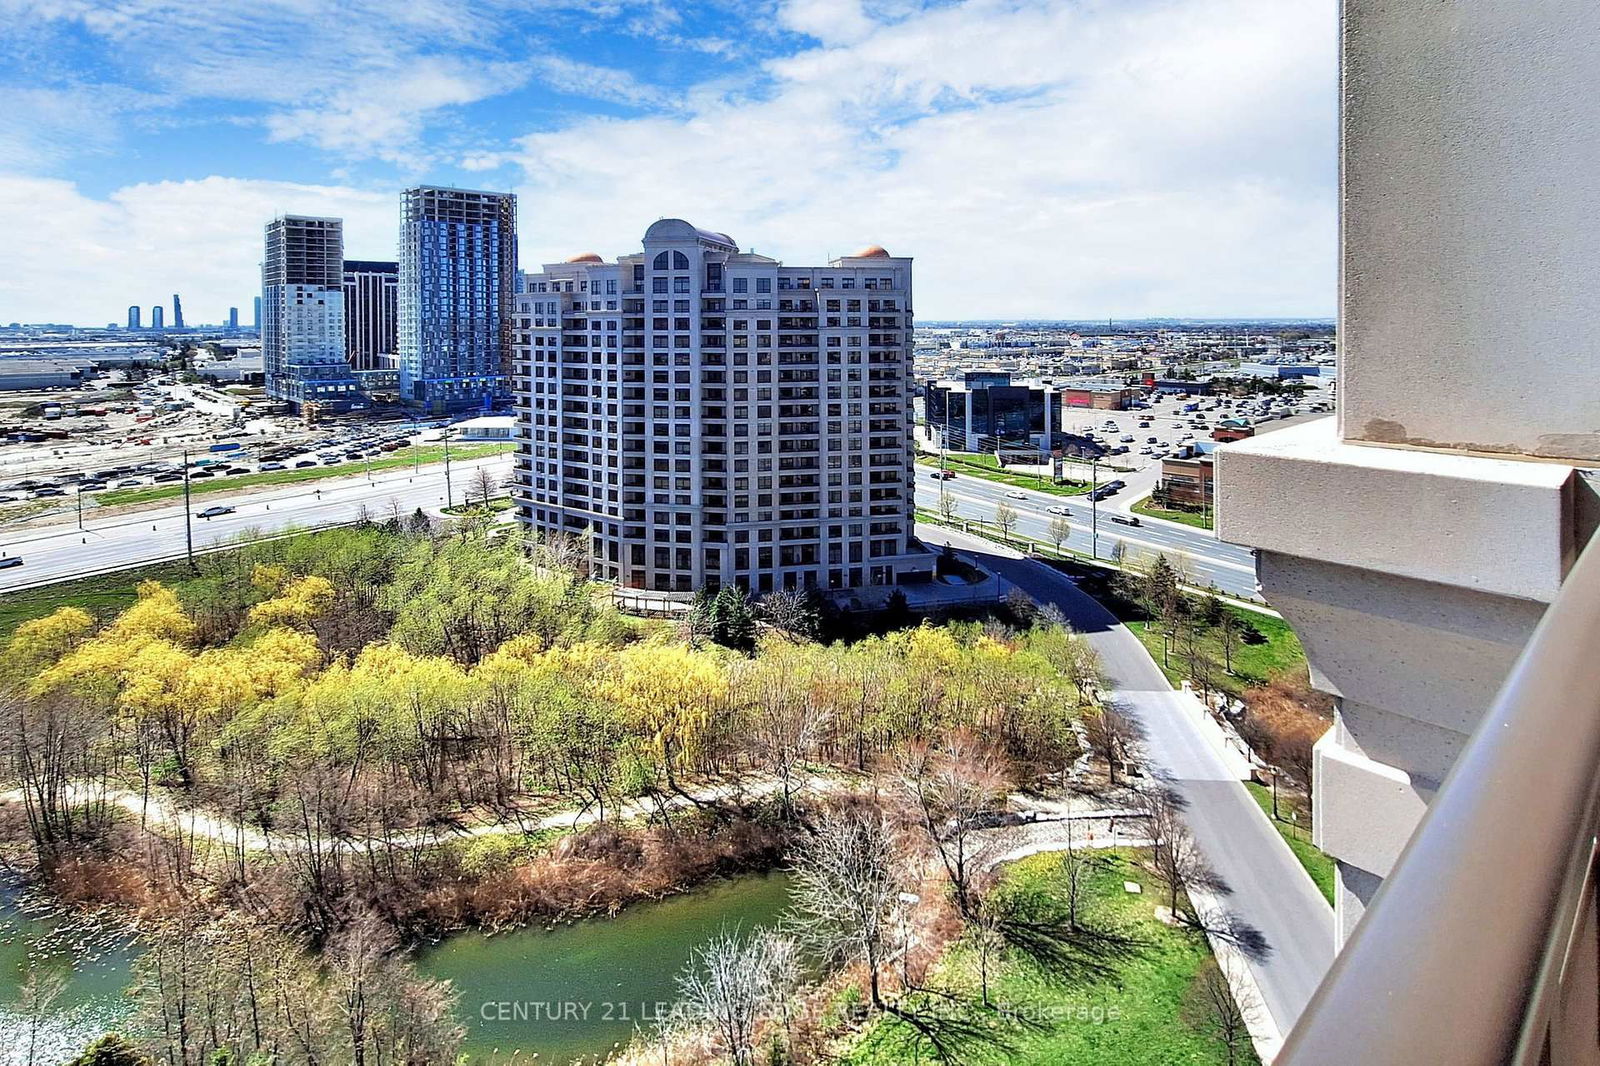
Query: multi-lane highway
[[1205, 559], [54, 553]]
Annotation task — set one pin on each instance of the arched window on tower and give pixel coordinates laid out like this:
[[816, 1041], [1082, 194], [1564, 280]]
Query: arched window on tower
[[661, 262], [680, 261]]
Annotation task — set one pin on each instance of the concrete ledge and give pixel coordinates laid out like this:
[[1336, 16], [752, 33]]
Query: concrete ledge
[[1497, 525], [1366, 810]]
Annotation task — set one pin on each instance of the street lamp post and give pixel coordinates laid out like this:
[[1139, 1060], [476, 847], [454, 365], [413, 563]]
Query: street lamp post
[[188, 515], [449, 499], [1094, 506]]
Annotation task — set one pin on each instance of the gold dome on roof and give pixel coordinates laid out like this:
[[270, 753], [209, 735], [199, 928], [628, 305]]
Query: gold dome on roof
[[871, 251], [585, 257]]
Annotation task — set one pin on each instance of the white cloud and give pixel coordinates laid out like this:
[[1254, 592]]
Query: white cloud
[[1037, 157], [68, 254], [1056, 158]]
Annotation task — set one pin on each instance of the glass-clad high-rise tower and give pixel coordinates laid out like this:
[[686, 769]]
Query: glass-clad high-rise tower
[[458, 264], [302, 302]]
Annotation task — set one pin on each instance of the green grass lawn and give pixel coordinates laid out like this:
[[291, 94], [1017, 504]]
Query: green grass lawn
[[408, 456], [987, 467], [1252, 663], [101, 596], [1148, 508], [496, 505], [1134, 1013], [1298, 837]]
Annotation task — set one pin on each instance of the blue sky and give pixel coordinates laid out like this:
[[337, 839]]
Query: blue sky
[[1040, 158]]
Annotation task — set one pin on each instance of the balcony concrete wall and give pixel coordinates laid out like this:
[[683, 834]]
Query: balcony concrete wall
[[1470, 182], [1415, 541]]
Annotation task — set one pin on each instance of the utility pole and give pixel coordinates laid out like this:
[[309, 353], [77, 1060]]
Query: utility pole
[[188, 515], [449, 500], [79, 494], [1094, 506]]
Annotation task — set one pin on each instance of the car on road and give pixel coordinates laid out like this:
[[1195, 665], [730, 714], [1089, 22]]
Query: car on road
[[9, 561], [1125, 520], [214, 512], [1016, 494], [1058, 509]]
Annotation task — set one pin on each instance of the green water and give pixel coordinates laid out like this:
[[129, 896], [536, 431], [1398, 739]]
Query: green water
[[579, 991], [93, 963]]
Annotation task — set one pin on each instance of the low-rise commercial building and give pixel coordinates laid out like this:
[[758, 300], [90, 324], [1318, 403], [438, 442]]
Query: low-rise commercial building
[[1187, 478]]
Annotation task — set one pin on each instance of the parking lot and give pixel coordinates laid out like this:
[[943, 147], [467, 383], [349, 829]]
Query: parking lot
[[127, 436]]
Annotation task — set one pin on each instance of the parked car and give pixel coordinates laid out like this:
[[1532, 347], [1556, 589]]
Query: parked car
[[268, 467], [302, 464], [214, 511]]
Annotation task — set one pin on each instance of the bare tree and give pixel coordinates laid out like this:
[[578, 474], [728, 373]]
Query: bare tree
[[1209, 1008], [793, 612], [1005, 519], [734, 982], [482, 485], [847, 885], [953, 785], [785, 725], [1109, 735], [948, 506], [1060, 530], [1077, 865], [1175, 859]]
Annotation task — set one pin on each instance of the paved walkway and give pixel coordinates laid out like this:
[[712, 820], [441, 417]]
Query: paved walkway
[[162, 813], [1269, 896]]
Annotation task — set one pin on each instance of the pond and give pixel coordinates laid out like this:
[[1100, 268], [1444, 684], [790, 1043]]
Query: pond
[[579, 991], [574, 992], [90, 963]]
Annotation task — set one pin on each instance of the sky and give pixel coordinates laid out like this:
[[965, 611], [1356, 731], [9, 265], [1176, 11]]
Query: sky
[[1037, 158]]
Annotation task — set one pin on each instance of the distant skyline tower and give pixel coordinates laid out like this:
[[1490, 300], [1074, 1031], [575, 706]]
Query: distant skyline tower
[[458, 265], [177, 312], [233, 318], [158, 317], [133, 316], [371, 313], [302, 300], [258, 314]]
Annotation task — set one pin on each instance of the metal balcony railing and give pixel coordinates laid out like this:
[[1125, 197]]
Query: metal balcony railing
[[1482, 947]]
